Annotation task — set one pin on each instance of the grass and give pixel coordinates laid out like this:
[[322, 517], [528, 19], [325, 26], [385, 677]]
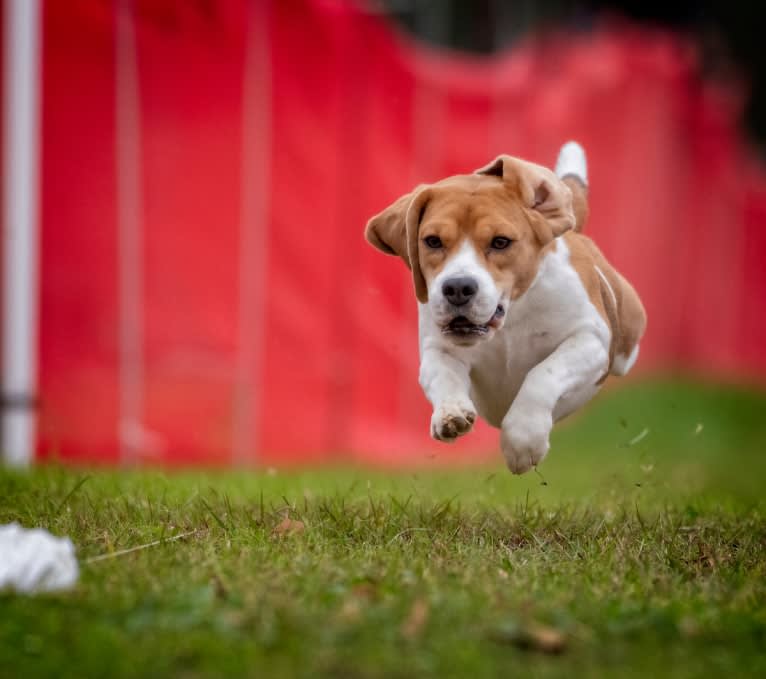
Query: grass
[[640, 548]]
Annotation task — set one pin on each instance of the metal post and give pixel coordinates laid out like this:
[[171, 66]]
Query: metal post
[[20, 217]]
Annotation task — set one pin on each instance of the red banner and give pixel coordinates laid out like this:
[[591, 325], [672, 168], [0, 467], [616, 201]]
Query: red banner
[[207, 296]]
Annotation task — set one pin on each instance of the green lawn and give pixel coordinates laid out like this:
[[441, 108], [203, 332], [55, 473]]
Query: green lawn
[[641, 548]]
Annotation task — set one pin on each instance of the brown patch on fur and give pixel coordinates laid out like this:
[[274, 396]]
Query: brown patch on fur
[[385, 230], [521, 201], [579, 200], [538, 188], [479, 209], [395, 232], [624, 314]]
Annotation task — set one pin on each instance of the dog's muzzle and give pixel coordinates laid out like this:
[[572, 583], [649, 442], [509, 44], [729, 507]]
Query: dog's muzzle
[[460, 290], [462, 327]]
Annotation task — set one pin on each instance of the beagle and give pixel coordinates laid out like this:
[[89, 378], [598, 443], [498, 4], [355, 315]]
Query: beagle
[[521, 318]]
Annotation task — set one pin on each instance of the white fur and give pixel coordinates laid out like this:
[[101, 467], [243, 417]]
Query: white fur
[[606, 282], [622, 364], [571, 160], [464, 263], [542, 364]]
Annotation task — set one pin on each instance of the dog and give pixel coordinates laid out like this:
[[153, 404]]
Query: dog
[[521, 317]]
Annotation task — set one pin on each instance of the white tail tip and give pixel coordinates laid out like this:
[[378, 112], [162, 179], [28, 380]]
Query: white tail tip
[[572, 162]]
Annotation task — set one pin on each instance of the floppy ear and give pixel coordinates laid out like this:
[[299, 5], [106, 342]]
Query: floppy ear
[[540, 190], [580, 206], [395, 232], [387, 231]]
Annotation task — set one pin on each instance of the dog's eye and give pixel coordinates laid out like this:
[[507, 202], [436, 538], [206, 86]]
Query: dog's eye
[[433, 242], [500, 243]]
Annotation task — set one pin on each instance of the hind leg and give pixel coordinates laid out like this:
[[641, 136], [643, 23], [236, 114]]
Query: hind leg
[[622, 363]]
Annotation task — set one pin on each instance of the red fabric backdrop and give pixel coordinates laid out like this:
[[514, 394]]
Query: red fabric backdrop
[[346, 114]]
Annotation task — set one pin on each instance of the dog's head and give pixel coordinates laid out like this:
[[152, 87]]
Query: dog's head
[[474, 242]]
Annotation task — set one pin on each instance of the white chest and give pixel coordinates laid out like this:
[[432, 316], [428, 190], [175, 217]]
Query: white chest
[[555, 307]]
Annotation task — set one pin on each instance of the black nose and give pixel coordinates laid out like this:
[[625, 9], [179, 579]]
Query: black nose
[[459, 291]]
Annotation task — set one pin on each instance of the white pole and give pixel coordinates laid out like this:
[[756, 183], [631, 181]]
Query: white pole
[[20, 214]]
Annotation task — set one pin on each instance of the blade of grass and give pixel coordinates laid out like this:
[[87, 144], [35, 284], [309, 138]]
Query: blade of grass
[[213, 514], [137, 548], [75, 488]]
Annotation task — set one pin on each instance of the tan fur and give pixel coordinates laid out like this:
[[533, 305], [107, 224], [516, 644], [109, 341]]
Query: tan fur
[[529, 205], [521, 201], [624, 314], [395, 232], [479, 209], [579, 201], [537, 187], [522, 335]]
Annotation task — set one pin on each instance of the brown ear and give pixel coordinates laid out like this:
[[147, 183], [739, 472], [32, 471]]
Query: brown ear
[[387, 231], [395, 232], [540, 190], [579, 200]]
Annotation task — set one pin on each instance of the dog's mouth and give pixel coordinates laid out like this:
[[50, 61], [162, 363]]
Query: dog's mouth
[[460, 326]]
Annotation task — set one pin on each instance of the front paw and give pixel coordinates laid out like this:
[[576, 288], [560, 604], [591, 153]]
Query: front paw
[[451, 420], [524, 438]]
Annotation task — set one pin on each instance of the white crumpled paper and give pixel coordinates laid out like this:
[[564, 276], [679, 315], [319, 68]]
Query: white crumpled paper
[[35, 561]]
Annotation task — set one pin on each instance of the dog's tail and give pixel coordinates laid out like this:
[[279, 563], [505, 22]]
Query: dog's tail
[[572, 169]]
